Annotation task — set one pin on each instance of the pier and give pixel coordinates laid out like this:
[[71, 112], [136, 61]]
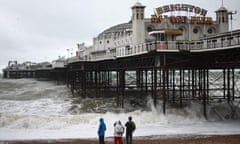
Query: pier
[[204, 71], [172, 74]]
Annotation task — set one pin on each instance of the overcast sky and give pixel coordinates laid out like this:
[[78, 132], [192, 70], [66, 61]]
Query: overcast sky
[[42, 30]]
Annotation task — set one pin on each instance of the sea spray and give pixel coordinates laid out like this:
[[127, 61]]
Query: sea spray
[[31, 109]]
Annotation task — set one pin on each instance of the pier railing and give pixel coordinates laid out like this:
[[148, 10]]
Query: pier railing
[[166, 46], [176, 46]]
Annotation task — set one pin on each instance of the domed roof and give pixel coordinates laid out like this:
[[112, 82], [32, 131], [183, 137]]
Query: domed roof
[[221, 9], [117, 28], [138, 4]]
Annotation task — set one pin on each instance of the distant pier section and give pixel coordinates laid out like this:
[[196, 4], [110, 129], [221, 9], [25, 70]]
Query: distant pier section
[[45, 70]]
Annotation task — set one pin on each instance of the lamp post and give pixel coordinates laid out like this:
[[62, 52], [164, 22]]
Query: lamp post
[[231, 13]]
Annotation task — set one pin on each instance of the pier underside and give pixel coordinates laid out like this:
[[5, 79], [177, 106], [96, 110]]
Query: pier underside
[[172, 77]]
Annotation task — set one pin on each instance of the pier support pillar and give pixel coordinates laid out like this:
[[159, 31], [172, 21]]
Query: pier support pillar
[[83, 83], [155, 88], [204, 94], [233, 84], [122, 86], [164, 91]]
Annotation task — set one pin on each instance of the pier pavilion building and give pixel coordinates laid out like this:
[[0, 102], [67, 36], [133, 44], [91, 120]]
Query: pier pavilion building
[[168, 23]]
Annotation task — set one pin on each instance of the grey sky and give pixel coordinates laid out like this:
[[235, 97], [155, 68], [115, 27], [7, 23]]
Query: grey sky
[[42, 30]]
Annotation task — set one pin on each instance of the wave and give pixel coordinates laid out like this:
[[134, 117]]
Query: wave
[[40, 106]]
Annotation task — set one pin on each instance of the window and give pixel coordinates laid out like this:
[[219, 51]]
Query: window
[[210, 31], [195, 30], [181, 29], [149, 28]]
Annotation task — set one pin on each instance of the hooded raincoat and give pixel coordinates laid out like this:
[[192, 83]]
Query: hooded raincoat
[[102, 128]]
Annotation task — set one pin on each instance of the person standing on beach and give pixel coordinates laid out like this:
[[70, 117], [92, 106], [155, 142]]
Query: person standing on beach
[[101, 131], [118, 132], [130, 128]]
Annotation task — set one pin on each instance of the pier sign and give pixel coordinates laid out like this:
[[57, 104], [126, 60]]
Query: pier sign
[[182, 19], [181, 7], [198, 18]]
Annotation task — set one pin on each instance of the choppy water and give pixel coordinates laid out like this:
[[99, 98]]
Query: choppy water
[[31, 109]]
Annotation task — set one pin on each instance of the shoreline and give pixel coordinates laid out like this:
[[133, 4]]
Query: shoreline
[[160, 139]]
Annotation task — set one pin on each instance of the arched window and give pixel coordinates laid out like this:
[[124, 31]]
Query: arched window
[[195, 30]]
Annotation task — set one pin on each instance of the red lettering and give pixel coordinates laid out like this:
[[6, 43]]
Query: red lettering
[[153, 18]]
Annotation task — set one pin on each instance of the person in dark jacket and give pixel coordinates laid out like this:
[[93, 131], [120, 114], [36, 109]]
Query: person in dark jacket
[[130, 128], [101, 131]]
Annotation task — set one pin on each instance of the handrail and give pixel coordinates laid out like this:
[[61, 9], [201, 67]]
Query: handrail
[[223, 42], [166, 46]]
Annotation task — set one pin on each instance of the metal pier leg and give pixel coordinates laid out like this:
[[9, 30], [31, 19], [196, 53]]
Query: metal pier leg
[[117, 87], [164, 91], [207, 72], [181, 95], [224, 83], [173, 86], [138, 79], [199, 84], [155, 88], [96, 83], [167, 79], [146, 81], [83, 75], [72, 83], [204, 94], [193, 84], [152, 83], [233, 84], [228, 85], [141, 82], [122, 86], [183, 84]]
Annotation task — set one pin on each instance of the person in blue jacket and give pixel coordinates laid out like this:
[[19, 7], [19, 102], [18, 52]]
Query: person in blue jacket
[[101, 131]]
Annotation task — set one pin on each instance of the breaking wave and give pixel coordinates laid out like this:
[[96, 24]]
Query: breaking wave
[[44, 107]]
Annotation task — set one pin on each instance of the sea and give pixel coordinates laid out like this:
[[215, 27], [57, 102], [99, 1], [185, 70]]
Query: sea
[[44, 110]]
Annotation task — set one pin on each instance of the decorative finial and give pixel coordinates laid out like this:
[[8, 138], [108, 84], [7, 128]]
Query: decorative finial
[[222, 3]]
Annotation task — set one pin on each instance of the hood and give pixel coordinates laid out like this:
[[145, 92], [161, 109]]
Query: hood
[[101, 120]]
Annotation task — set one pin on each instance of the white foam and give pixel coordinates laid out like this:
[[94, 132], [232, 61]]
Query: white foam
[[45, 114], [86, 125]]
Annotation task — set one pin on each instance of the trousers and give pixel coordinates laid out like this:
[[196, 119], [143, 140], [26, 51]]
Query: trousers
[[129, 138], [118, 140], [101, 140]]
